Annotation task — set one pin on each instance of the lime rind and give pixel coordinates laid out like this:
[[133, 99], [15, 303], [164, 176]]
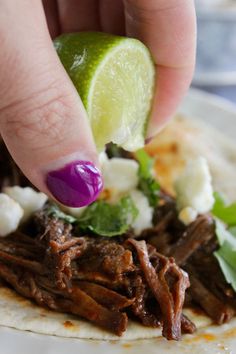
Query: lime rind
[[80, 54]]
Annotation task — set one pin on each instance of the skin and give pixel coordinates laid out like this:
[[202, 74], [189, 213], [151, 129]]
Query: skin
[[42, 119]]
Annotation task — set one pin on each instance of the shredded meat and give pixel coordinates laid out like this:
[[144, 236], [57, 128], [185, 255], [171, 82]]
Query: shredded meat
[[138, 289], [192, 248], [107, 297], [169, 294], [187, 326], [107, 281], [98, 279], [205, 264], [196, 235], [217, 310], [74, 301]]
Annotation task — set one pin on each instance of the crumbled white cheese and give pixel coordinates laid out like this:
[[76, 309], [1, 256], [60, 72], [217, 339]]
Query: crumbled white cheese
[[194, 188], [28, 198], [103, 158], [120, 175], [187, 215], [11, 214], [76, 212], [144, 218]]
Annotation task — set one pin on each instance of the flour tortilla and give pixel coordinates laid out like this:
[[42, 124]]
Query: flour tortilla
[[181, 140]]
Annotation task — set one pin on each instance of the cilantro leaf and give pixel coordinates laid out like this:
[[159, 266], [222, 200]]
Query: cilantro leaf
[[228, 271], [227, 213], [145, 163], [54, 211], [106, 219], [232, 230], [223, 234], [147, 184], [226, 254]]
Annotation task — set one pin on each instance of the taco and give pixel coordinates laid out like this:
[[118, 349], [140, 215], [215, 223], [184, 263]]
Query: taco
[[145, 260]]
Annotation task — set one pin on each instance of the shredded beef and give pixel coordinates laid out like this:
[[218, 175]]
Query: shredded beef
[[204, 262], [196, 235], [192, 248], [98, 279], [110, 257], [169, 294], [216, 309], [107, 297], [74, 301], [187, 326], [108, 280], [138, 290]]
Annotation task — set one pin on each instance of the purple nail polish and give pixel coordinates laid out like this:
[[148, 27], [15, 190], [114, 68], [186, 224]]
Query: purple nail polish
[[76, 184]]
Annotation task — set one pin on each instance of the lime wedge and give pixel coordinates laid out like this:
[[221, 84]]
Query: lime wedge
[[114, 77]]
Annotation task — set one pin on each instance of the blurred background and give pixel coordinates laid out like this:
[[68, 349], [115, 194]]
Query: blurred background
[[216, 48]]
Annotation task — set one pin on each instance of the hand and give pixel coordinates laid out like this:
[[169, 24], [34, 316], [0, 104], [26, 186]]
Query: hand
[[42, 119]]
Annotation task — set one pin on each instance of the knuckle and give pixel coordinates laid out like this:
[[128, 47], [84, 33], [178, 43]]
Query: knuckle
[[39, 120]]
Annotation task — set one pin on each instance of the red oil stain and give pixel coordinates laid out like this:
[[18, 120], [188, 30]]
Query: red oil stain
[[127, 345], [208, 337], [69, 325]]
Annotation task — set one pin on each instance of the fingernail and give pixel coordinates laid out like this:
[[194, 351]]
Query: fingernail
[[155, 129], [76, 184]]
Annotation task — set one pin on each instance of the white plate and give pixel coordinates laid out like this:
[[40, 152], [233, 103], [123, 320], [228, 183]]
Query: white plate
[[222, 115], [212, 109]]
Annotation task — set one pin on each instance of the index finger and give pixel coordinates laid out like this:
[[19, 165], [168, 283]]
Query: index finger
[[168, 28]]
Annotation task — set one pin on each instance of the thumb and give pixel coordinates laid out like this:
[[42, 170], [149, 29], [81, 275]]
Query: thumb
[[42, 119]]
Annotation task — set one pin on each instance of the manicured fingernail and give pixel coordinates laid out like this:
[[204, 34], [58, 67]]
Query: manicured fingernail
[[155, 129], [76, 184]]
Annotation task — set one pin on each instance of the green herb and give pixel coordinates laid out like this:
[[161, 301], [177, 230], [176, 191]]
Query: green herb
[[223, 234], [107, 219], [232, 230], [145, 163], [54, 211], [226, 254], [228, 271], [112, 150], [227, 213], [147, 184]]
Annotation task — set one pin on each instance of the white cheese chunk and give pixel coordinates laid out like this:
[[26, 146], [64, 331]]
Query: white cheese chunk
[[76, 212], [194, 188], [103, 158], [144, 218], [187, 215], [11, 214], [120, 175], [28, 198]]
